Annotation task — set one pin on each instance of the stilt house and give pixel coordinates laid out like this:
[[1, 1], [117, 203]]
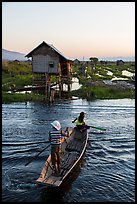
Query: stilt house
[[47, 61]]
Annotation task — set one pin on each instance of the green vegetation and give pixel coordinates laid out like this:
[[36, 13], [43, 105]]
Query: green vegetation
[[99, 92], [17, 74], [16, 97], [99, 72]]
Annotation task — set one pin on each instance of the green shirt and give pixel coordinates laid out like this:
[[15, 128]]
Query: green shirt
[[78, 123]]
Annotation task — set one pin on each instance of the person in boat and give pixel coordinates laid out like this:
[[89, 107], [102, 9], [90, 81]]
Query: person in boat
[[80, 122], [56, 136]]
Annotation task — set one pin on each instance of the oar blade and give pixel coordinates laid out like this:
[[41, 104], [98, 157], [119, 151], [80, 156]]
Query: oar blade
[[98, 128]]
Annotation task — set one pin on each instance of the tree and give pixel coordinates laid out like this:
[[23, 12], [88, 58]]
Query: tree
[[94, 60]]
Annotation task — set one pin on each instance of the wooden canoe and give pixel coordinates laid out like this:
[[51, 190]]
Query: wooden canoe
[[73, 148]]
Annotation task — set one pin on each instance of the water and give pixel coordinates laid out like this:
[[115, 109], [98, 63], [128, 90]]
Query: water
[[107, 171]]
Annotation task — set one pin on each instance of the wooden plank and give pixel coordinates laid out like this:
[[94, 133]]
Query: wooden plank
[[57, 183]]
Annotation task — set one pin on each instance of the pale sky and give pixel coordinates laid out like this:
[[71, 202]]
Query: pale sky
[[77, 29]]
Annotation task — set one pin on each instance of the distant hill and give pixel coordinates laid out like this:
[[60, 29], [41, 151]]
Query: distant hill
[[11, 55]]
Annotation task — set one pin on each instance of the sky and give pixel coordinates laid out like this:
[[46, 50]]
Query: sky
[[77, 29]]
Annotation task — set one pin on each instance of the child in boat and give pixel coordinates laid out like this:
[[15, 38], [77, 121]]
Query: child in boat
[[80, 122], [56, 136]]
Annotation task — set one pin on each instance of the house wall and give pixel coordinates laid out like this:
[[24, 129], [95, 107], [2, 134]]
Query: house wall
[[45, 60], [41, 64]]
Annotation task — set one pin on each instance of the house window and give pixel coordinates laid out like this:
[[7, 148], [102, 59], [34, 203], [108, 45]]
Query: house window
[[51, 64]]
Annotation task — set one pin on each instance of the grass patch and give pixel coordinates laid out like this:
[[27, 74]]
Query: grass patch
[[98, 92], [18, 97]]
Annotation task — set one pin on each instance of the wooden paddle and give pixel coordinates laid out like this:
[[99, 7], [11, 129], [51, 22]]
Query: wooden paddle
[[36, 155]]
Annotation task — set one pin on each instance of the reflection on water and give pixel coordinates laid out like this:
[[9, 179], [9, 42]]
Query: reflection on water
[[107, 172], [75, 84]]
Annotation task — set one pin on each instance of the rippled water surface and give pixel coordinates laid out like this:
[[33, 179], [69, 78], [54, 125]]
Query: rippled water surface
[[107, 171]]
